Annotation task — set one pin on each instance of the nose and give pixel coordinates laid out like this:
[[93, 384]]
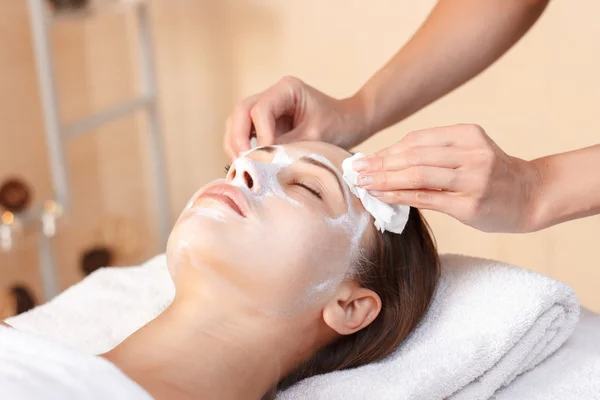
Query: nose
[[243, 172]]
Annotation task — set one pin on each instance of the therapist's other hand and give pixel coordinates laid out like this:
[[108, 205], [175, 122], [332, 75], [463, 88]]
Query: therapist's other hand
[[457, 170], [291, 111]]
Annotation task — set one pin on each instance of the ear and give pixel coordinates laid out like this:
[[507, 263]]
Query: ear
[[352, 308]]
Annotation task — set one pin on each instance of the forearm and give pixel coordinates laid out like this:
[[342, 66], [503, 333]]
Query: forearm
[[459, 39], [568, 188]]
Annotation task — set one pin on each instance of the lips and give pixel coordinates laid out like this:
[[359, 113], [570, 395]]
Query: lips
[[228, 195]]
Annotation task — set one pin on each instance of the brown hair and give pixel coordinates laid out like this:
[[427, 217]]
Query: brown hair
[[403, 270]]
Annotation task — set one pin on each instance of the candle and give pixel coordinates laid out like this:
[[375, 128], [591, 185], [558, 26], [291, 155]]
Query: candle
[[7, 220], [49, 216]]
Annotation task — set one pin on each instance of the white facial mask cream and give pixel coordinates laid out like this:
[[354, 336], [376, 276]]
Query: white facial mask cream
[[265, 173], [353, 221], [266, 182]]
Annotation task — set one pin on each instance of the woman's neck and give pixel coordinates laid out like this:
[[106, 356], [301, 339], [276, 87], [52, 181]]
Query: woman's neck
[[200, 352]]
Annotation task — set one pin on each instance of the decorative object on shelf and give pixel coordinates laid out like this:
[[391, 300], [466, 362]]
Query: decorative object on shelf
[[85, 7], [50, 213], [25, 300], [18, 299], [9, 224], [14, 195], [70, 5], [95, 258]]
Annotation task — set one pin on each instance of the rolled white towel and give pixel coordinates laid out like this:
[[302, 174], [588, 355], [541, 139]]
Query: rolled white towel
[[488, 323], [103, 309]]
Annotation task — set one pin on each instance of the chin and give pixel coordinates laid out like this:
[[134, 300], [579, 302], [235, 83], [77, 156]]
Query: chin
[[200, 242]]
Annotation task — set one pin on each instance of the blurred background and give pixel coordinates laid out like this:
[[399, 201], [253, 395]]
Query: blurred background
[[540, 98]]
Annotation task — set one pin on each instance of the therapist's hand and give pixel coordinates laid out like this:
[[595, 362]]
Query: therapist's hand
[[457, 170], [291, 111]]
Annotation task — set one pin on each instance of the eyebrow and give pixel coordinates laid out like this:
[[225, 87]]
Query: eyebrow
[[267, 149], [312, 161]]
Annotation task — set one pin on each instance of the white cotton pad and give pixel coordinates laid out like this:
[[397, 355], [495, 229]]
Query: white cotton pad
[[388, 217]]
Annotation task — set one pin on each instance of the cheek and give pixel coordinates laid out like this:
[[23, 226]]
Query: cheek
[[207, 238], [303, 231], [305, 252]]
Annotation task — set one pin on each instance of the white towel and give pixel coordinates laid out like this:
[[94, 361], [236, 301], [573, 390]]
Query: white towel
[[572, 373], [99, 312], [488, 323], [32, 367]]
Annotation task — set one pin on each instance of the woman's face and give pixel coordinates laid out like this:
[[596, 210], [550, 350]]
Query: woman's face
[[281, 230]]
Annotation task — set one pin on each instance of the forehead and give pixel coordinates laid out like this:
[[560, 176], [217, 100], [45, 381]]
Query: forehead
[[335, 155]]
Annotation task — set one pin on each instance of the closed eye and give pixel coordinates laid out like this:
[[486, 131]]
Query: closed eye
[[227, 168], [310, 189]]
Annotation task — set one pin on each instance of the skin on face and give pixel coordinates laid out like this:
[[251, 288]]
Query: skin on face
[[296, 241]]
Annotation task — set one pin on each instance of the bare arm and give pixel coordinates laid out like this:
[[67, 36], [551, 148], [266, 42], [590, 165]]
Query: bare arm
[[459, 40], [569, 187]]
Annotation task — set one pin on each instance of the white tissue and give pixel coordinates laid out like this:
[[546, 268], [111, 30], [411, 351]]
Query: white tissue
[[388, 217]]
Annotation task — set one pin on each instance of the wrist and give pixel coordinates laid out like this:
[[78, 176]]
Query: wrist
[[359, 117], [569, 186], [543, 207]]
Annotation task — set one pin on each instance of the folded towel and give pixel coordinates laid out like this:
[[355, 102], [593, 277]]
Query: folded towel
[[488, 323], [101, 311], [572, 373]]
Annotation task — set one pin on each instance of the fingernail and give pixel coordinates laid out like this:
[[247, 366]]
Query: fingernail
[[362, 180], [360, 165], [376, 193]]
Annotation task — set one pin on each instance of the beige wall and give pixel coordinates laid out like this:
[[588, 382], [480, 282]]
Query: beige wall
[[539, 99]]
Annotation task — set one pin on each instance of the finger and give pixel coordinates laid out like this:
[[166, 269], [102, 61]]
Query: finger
[[446, 157], [410, 178], [443, 136], [231, 152], [240, 127], [277, 101], [435, 200], [227, 139], [296, 134], [292, 136], [283, 125]]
